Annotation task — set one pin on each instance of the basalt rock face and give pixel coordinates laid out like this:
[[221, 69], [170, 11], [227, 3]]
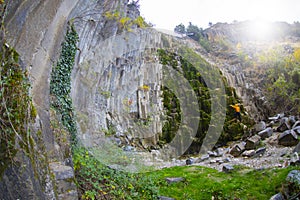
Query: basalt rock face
[[116, 82]]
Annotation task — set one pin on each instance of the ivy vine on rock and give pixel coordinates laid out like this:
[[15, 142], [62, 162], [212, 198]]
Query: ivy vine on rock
[[60, 85]]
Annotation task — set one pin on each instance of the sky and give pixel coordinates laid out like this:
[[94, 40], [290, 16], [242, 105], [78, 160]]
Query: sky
[[166, 14]]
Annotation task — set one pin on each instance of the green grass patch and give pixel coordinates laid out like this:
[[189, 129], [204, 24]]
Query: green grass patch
[[206, 183], [97, 181]]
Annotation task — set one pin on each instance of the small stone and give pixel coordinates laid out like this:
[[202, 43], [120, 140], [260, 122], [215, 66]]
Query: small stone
[[165, 198], [189, 161], [297, 130], [212, 153], [294, 177], [213, 162], [295, 159], [227, 160], [220, 152], [174, 180], [276, 117], [277, 196], [297, 148], [128, 148], [248, 153], [220, 161], [260, 151], [237, 149], [266, 133], [204, 157], [227, 168], [296, 124]]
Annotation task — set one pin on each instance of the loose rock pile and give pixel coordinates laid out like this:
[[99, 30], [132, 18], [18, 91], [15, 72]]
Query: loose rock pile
[[272, 144]]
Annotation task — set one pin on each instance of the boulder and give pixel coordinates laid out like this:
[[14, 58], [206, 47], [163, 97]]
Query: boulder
[[295, 159], [237, 149], [296, 124], [189, 161], [297, 148], [220, 152], [260, 126], [212, 153], [276, 117], [260, 151], [248, 153], [284, 125], [227, 168], [226, 160], [294, 177], [271, 124], [252, 142], [297, 130], [277, 196], [266, 133], [204, 157], [288, 138]]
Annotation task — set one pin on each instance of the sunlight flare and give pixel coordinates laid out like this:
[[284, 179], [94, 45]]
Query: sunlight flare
[[260, 30]]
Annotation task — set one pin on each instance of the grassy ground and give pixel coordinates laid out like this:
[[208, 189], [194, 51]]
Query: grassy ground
[[205, 183]]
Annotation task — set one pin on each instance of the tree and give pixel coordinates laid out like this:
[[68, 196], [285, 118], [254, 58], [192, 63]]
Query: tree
[[194, 32], [180, 29]]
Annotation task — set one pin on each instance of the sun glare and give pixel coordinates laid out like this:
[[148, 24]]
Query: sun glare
[[260, 30]]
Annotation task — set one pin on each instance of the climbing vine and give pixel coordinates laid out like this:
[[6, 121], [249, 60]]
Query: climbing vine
[[60, 85]]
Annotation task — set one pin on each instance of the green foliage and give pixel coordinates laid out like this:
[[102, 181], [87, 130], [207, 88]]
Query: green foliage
[[16, 110], [205, 183], [205, 44], [283, 83], [140, 22], [124, 22], [60, 85], [180, 29], [194, 31], [112, 16], [96, 181], [232, 131], [172, 110]]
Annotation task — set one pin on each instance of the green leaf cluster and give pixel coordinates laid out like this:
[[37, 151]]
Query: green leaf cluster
[[124, 22], [96, 181], [283, 83], [60, 85]]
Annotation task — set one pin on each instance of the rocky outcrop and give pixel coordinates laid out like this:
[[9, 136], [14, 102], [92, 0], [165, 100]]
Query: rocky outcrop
[[36, 30], [235, 47], [115, 88]]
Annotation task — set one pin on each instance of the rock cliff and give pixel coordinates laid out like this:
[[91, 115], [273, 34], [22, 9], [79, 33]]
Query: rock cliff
[[116, 88]]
